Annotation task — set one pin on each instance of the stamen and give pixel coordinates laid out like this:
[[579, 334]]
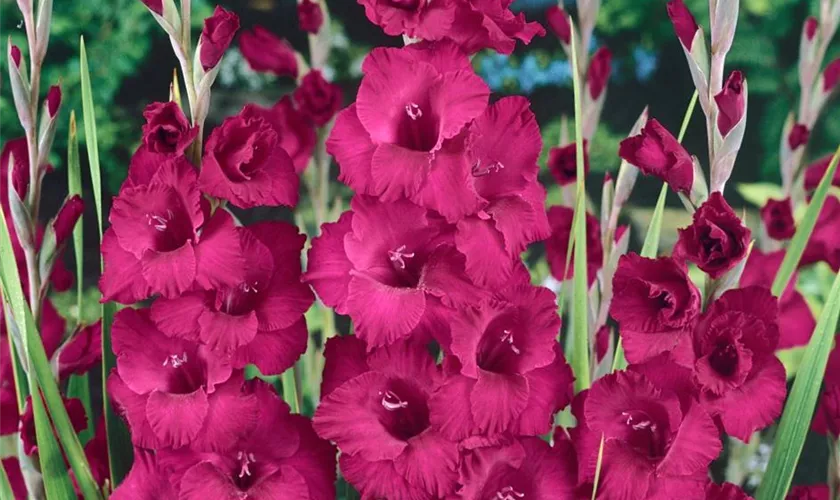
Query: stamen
[[508, 493], [397, 256], [507, 336], [175, 360], [244, 460], [245, 287], [159, 222], [392, 402], [479, 171], [413, 110]]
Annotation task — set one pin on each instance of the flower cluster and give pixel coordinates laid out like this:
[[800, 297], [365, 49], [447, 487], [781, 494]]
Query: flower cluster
[[227, 296]]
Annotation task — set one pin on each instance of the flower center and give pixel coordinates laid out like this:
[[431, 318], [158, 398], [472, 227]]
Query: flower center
[[238, 300], [245, 459], [724, 358], [500, 347], [175, 360], [398, 257], [644, 435], [406, 4], [480, 171], [413, 111], [417, 129], [402, 409], [159, 222]]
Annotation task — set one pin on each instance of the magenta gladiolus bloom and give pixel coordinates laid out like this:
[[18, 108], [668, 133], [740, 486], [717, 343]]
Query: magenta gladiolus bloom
[[656, 152], [816, 170], [504, 144], [279, 456], [146, 480], [732, 354], [599, 72], [717, 240], [162, 241], [375, 407], [483, 24], [392, 267], [266, 52], [777, 216], [258, 321], [725, 491], [507, 375], [562, 162], [424, 19], [170, 390], [824, 243], [558, 21], [684, 24], [527, 468], [403, 136], [216, 36], [652, 444], [811, 492], [295, 132], [75, 411], [317, 99], [731, 103], [798, 136], [655, 304], [167, 130], [245, 163]]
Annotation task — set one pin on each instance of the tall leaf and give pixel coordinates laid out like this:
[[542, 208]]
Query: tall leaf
[[119, 441], [79, 385], [54, 474], [5, 486], [803, 231], [580, 306], [651, 244], [40, 371], [796, 419]]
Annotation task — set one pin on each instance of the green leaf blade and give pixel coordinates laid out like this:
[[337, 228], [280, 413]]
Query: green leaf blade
[[796, 419], [803, 232], [119, 441], [54, 474]]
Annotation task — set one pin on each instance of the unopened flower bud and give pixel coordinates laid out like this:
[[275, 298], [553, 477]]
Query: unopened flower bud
[[558, 21], [216, 36], [798, 136], [731, 103], [53, 100], [310, 16], [155, 6], [67, 217], [684, 23]]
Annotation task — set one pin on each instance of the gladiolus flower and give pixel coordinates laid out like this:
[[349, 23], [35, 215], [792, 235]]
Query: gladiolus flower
[[279, 457], [684, 24], [510, 376], [503, 144], [173, 392], [481, 24], [798, 136], [656, 152], [216, 36], [732, 354], [811, 492], [725, 491], [310, 16], [651, 442], [526, 468], [392, 267], [403, 136], [731, 103], [167, 130], [258, 321], [161, 241], [377, 412], [245, 164], [427, 20], [558, 21], [716, 240], [295, 131], [655, 304], [82, 353], [265, 52], [317, 99], [147, 479], [777, 216], [562, 162]]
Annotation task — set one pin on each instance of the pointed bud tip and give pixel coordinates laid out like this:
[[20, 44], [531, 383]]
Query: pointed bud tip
[[310, 16], [599, 71], [558, 21], [831, 75], [810, 28], [67, 217], [798, 136], [14, 51], [685, 26], [53, 100], [155, 6]]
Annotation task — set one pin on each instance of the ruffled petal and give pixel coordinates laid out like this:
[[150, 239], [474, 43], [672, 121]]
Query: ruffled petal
[[176, 419]]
